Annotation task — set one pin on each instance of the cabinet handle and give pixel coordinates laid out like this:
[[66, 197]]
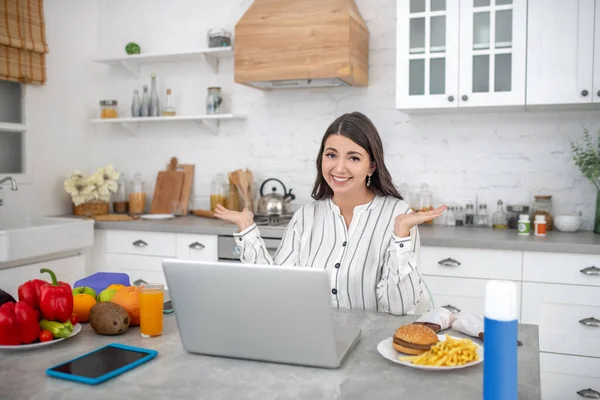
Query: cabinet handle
[[465, 97], [593, 322], [450, 99], [589, 394], [140, 243], [449, 262], [598, 93], [590, 271], [197, 246], [452, 309], [584, 93]]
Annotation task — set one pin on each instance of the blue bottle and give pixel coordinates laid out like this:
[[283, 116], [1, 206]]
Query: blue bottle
[[500, 341]]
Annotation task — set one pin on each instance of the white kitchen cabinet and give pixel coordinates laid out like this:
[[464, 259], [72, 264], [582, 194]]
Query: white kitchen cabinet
[[569, 377], [568, 317], [146, 268], [69, 269], [466, 53], [197, 247], [560, 52], [596, 90], [427, 54], [566, 269], [141, 243]]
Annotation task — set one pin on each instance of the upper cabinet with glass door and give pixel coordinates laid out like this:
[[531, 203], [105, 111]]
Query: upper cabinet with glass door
[[465, 53], [492, 52], [12, 131], [427, 54]]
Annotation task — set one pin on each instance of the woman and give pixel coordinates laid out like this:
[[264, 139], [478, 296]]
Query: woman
[[359, 229]]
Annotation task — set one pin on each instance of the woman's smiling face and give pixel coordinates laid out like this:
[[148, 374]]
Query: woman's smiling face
[[345, 165]]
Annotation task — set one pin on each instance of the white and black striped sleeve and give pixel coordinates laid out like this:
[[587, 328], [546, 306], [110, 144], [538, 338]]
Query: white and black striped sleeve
[[399, 289]]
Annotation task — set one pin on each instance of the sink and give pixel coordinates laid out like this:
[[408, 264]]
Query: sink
[[27, 237]]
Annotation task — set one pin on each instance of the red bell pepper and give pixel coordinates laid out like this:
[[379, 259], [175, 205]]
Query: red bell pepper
[[18, 324], [29, 292], [56, 299]]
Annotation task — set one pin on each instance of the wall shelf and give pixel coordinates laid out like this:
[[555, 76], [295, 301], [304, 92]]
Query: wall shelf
[[133, 62], [12, 127], [212, 122]]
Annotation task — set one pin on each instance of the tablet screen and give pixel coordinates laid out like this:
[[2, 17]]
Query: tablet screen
[[100, 362]]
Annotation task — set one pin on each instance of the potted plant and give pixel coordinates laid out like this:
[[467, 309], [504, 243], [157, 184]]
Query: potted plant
[[91, 194], [586, 155]]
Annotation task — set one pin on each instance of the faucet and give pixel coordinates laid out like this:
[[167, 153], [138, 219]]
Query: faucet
[[14, 187]]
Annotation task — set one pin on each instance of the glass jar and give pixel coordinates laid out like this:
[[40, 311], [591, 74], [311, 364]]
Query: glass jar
[[450, 217], [513, 212], [219, 37], [482, 218], [121, 201], [108, 109], [218, 192], [499, 220], [542, 205], [425, 200], [470, 216], [213, 100], [137, 196], [459, 216]]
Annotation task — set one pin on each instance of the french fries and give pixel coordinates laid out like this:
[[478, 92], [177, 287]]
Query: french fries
[[450, 353]]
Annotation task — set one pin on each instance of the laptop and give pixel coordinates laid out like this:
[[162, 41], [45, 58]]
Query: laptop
[[257, 312]]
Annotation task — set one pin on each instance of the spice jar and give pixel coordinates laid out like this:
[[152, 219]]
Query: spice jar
[[137, 196], [108, 109], [121, 202], [219, 37], [470, 216], [460, 216], [543, 206], [540, 225], [513, 212], [213, 100]]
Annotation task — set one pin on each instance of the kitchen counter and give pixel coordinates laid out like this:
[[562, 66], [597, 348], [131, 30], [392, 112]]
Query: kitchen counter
[[179, 375], [436, 235]]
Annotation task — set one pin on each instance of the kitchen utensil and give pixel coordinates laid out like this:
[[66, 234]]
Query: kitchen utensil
[[156, 217], [274, 203], [168, 188]]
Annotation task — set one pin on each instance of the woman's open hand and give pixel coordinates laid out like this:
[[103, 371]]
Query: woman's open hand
[[242, 219], [404, 222]]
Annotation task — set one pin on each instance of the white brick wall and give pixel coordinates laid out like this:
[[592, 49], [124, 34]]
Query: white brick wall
[[511, 156]]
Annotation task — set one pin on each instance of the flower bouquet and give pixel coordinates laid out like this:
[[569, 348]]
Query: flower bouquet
[[91, 194]]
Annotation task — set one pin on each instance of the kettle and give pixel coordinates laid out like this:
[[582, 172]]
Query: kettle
[[274, 203]]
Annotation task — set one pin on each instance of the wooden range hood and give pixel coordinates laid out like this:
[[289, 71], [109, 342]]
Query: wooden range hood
[[301, 43]]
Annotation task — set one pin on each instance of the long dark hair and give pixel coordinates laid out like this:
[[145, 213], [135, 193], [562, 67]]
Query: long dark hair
[[358, 128]]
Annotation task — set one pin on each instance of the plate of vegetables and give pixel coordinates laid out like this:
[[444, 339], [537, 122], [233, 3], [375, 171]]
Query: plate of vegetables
[[42, 316]]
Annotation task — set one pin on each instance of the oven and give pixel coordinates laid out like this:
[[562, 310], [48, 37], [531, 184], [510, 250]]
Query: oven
[[228, 249]]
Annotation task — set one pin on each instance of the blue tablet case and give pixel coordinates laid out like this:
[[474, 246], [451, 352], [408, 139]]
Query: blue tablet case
[[150, 354]]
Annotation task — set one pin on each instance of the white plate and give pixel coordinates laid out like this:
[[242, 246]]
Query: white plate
[[387, 351], [156, 216], [76, 330]]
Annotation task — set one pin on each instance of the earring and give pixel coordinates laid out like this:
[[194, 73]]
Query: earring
[[369, 180]]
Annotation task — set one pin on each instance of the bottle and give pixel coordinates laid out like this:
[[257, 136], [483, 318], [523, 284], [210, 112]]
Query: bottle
[[154, 106], [450, 217], [169, 110], [540, 225], [524, 225], [459, 216], [213, 100], [500, 351], [145, 110], [470, 216], [121, 202], [499, 219], [218, 192], [482, 217], [425, 200], [137, 196], [136, 104]]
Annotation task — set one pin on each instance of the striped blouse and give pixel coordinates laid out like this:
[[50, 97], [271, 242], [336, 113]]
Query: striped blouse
[[370, 267]]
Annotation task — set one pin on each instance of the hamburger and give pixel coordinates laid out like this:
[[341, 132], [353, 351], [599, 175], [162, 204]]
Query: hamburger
[[414, 339]]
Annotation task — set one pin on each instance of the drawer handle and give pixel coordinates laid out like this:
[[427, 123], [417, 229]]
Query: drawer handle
[[449, 262], [197, 246], [140, 243], [589, 393], [590, 271], [590, 322], [452, 309]]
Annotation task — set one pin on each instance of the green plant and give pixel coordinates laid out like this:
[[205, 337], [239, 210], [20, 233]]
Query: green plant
[[586, 155]]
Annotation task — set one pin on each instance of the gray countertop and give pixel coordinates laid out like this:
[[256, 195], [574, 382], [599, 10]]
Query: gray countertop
[[481, 238], [175, 374]]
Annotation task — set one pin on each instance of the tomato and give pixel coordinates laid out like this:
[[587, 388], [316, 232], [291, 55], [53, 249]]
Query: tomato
[[45, 336], [74, 319]]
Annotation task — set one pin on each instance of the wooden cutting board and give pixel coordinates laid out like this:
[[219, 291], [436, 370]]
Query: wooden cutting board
[[188, 182], [168, 189]]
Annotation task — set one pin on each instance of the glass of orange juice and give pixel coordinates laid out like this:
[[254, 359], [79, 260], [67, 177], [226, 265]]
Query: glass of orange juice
[[151, 309]]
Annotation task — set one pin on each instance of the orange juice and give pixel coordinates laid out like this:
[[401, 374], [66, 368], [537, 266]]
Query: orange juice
[[151, 309]]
